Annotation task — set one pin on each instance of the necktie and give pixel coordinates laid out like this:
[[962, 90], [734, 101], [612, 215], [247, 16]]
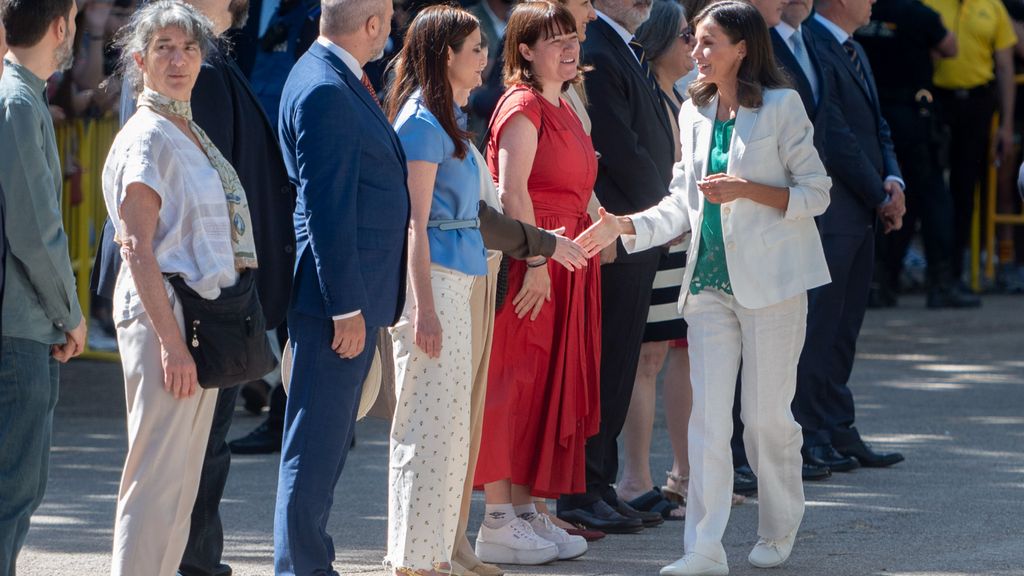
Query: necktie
[[804, 59], [369, 88], [638, 50], [851, 51]]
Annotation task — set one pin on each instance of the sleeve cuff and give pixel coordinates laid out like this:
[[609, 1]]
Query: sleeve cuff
[[347, 315]]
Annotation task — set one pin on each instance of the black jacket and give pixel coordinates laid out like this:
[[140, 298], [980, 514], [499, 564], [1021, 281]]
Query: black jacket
[[859, 150], [631, 129], [787, 62]]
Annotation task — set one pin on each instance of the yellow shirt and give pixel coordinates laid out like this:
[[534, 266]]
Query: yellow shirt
[[982, 27]]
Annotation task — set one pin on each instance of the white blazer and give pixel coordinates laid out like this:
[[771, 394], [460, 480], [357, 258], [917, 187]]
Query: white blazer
[[772, 255]]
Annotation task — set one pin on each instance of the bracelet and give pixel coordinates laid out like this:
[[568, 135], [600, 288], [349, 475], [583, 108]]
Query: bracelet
[[537, 264]]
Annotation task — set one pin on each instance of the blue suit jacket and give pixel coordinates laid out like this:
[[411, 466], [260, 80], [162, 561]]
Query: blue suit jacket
[[352, 207], [789, 65], [859, 150]]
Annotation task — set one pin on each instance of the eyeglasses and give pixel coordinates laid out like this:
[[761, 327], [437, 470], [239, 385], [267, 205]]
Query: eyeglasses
[[686, 35]]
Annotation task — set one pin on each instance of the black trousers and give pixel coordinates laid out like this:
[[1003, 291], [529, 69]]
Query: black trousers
[[823, 404], [928, 199], [967, 115], [625, 300]]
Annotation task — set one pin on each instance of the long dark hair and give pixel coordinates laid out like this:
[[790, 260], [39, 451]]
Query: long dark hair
[[757, 73], [423, 64], [529, 23]]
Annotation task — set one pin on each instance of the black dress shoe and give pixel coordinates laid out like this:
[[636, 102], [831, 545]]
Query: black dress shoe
[[952, 296], [220, 570], [256, 395], [601, 516], [744, 482], [867, 457], [812, 473], [262, 440], [649, 519], [826, 455]]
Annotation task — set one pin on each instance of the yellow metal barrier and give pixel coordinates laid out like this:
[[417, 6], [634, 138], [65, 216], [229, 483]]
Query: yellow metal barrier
[[83, 145]]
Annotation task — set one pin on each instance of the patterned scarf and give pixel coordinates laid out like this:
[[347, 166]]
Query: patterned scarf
[[238, 206]]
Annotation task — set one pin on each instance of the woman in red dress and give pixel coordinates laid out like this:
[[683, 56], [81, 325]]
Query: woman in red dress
[[542, 398]]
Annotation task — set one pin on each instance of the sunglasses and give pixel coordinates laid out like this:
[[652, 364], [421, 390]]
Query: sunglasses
[[686, 35]]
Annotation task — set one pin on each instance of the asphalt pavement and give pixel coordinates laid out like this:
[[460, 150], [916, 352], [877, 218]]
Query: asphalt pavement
[[946, 388]]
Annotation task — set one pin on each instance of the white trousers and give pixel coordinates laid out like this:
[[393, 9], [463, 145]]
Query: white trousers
[[768, 340], [166, 446], [430, 433]]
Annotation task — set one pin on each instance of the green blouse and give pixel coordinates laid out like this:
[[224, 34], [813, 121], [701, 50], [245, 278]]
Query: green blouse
[[710, 269]]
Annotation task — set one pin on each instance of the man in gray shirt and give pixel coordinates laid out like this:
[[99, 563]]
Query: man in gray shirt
[[43, 322]]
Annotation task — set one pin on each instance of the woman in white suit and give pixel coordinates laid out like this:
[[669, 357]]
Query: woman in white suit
[[746, 190]]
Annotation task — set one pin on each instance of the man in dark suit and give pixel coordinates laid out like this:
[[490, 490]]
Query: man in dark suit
[[226, 108], [866, 187], [792, 46], [351, 218], [633, 134]]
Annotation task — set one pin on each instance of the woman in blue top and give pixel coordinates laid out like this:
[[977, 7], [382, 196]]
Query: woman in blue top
[[437, 68]]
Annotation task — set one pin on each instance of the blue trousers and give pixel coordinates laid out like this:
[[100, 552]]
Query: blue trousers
[[29, 380], [319, 422]]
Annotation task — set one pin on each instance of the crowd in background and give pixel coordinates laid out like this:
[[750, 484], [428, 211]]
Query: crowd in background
[[514, 313]]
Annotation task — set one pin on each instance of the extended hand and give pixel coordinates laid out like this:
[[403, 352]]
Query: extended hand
[[349, 336], [179, 370], [536, 289], [427, 331], [722, 188], [601, 233], [568, 253], [892, 212]]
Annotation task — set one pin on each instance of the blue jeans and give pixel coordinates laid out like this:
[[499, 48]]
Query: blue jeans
[[29, 380]]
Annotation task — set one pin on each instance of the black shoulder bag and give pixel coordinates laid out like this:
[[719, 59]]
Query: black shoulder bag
[[227, 336]]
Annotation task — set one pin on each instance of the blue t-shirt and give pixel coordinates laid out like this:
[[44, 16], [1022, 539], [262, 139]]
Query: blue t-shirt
[[456, 187]]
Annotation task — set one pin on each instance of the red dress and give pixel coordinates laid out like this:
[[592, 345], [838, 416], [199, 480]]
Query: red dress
[[543, 390]]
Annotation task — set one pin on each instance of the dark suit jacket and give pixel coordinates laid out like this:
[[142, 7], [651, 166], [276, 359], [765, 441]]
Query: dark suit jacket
[[3, 255], [631, 129], [786, 62], [512, 237], [859, 150], [225, 107], [352, 208]]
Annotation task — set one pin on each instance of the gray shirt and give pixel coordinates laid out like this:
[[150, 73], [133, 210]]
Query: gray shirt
[[40, 301]]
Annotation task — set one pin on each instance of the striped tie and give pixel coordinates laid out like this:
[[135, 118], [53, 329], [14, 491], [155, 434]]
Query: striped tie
[[369, 87], [638, 50], [851, 51]]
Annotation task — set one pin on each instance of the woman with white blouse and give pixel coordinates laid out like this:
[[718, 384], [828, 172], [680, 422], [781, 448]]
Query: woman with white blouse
[[177, 209]]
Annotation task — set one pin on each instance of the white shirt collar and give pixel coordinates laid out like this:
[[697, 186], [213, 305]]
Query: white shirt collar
[[839, 33], [786, 31], [626, 35], [498, 23], [348, 59]]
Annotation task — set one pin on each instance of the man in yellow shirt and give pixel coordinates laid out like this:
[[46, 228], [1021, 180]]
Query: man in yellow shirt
[[965, 99]]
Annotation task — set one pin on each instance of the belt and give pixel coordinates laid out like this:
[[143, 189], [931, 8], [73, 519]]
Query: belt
[[966, 93], [454, 224]]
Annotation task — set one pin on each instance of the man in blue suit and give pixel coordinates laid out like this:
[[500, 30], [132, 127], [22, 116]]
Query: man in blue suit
[[351, 216], [867, 188]]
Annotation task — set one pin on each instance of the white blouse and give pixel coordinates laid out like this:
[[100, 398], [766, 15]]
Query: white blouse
[[193, 233]]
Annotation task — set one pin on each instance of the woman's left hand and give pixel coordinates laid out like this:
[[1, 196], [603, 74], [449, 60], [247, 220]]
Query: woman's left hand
[[722, 188]]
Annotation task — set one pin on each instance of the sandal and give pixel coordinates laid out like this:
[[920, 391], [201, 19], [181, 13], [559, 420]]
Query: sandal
[[655, 501], [678, 496]]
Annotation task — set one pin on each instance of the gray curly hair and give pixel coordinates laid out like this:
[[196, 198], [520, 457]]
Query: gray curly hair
[[154, 16]]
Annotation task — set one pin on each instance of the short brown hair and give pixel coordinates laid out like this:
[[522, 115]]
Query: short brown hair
[[529, 23], [26, 21], [742, 22]]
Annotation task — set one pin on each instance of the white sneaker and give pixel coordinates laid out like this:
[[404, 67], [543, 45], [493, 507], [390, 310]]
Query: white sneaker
[[569, 546], [771, 553], [514, 543], [695, 565]]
